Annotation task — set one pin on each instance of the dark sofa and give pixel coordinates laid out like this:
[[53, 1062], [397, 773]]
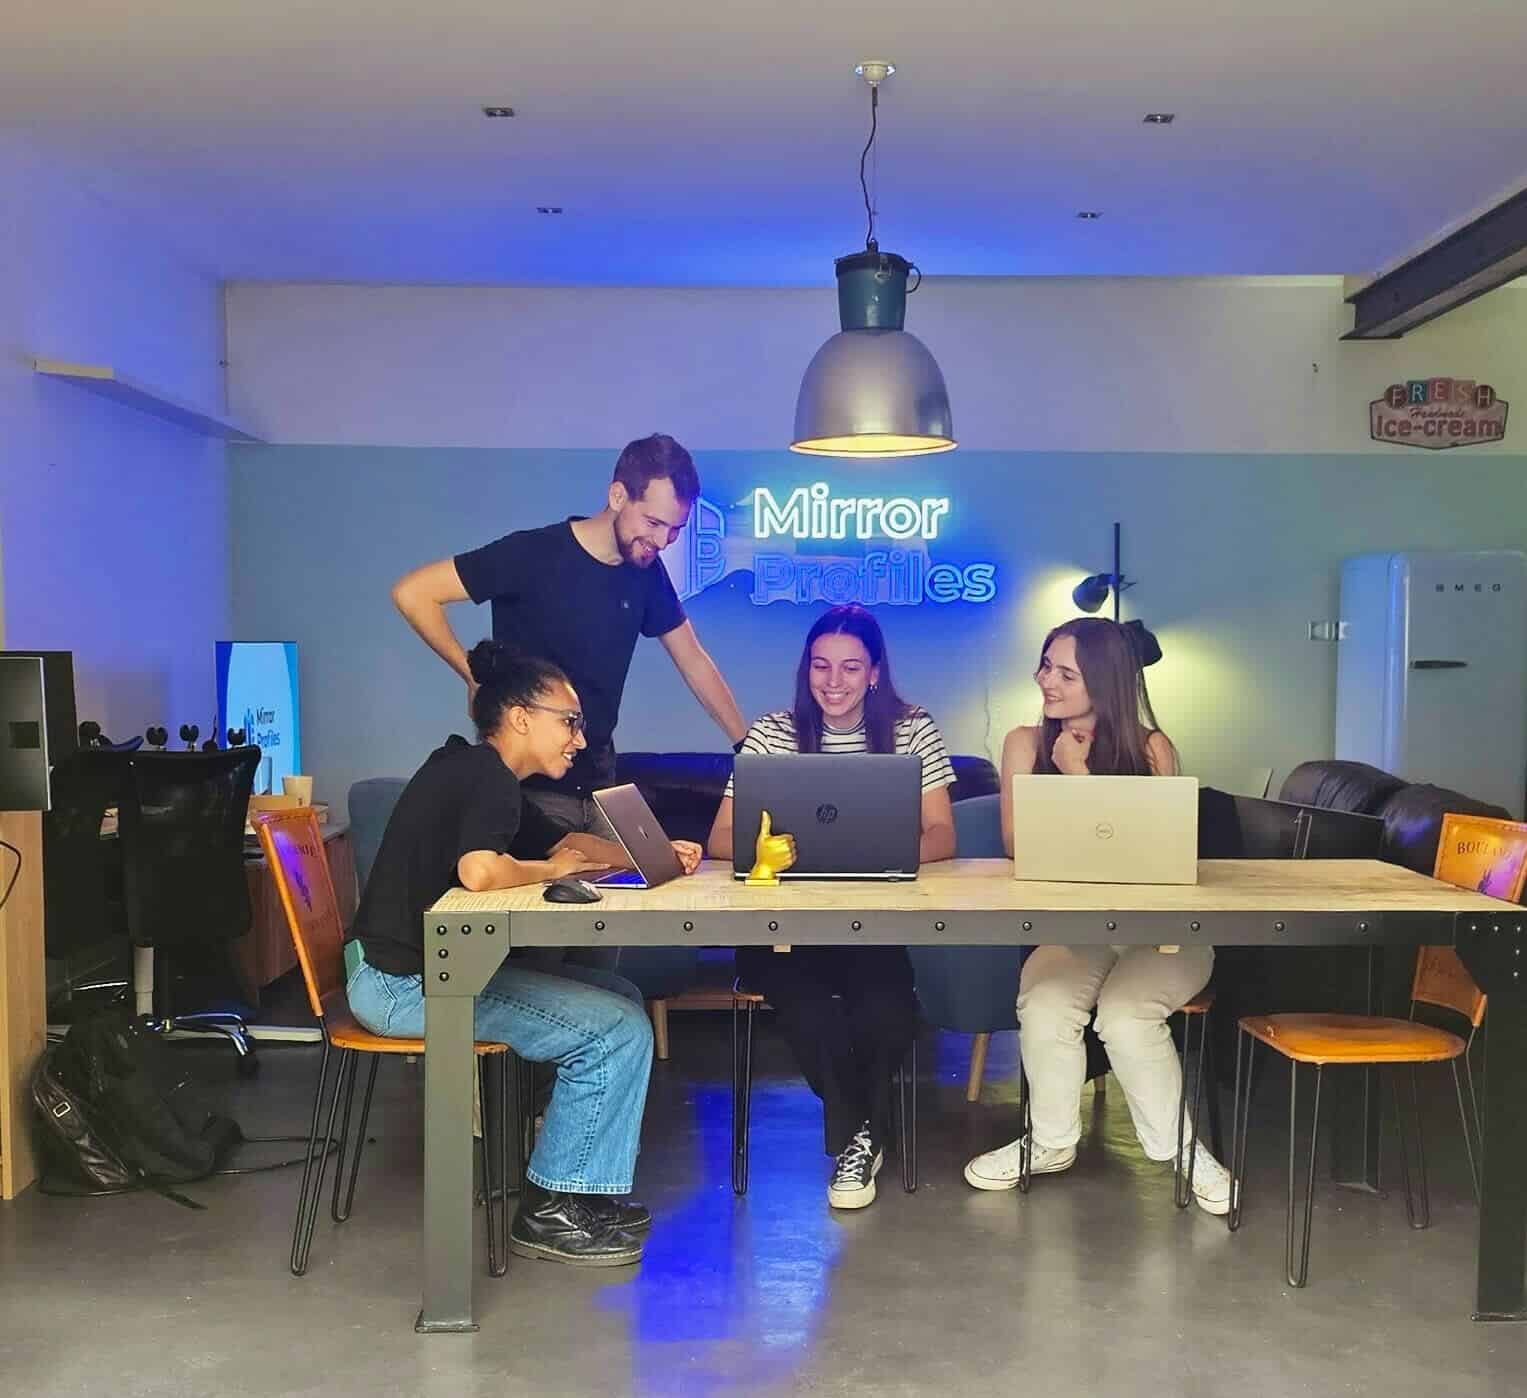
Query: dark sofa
[[1303, 979]]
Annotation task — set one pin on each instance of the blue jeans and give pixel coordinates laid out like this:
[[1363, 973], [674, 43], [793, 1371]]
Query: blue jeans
[[590, 1023]]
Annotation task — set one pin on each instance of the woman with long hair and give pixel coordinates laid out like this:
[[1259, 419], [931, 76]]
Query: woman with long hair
[[849, 1013], [1098, 720], [455, 823]]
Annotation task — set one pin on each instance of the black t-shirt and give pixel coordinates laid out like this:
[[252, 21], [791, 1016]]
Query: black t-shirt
[[554, 599], [462, 799]]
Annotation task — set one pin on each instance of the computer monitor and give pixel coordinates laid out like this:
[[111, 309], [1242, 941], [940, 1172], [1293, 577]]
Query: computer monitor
[[1248, 827], [257, 692], [24, 766], [58, 694]]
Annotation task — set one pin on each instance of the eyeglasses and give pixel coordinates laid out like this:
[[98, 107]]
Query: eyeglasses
[[574, 720]]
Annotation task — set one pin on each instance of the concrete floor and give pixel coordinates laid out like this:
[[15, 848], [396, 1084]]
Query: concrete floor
[[1092, 1285]]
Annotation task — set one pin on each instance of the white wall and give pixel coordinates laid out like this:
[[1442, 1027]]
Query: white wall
[[1038, 364], [113, 524]]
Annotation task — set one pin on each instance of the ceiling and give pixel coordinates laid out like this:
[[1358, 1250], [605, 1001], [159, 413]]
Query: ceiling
[[718, 143]]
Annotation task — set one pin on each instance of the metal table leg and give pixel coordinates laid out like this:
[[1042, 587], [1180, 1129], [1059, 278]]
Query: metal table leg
[[459, 959], [1496, 954]]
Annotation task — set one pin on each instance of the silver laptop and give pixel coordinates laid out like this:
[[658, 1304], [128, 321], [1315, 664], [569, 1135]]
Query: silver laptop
[[1105, 829], [853, 815], [646, 844]]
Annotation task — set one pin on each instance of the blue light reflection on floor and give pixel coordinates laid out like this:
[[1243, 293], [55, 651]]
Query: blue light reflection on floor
[[731, 1289]]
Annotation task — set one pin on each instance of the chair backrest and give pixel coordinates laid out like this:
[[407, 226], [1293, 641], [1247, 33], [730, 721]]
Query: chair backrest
[[1489, 856], [81, 872], [971, 989], [978, 828], [181, 828], [299, 865], [370, 806]]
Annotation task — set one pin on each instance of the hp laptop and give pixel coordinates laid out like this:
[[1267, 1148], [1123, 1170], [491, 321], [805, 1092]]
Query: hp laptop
[[642, 838], [853, 815], [1105, 829]]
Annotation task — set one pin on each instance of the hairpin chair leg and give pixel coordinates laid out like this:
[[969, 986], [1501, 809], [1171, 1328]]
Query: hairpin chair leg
[[1026, 1140], [906, 1094], [340, 1212], [1211, 1094], [1240, 1118], [1187, 1132], [310, 1194], [524, 1116], [742, 1090], [493, 1074], [1422, 1217], [1470, 1141], [1299, 1274]]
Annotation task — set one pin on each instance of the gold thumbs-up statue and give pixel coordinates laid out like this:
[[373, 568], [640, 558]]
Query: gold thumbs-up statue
[[771, 855]]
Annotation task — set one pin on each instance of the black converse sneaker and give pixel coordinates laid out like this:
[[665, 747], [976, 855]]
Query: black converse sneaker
[[853, 1176]]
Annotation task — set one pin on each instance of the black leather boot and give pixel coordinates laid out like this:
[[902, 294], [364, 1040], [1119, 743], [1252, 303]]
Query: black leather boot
[[621, 1213], [565, 1228]]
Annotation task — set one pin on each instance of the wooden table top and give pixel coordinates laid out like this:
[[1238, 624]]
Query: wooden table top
[[1335, 886]]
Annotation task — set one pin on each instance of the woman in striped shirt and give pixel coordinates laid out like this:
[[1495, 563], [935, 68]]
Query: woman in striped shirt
[[849, 1013]]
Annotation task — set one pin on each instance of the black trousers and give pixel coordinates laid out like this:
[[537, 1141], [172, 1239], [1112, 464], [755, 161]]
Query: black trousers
[[849, 1015]]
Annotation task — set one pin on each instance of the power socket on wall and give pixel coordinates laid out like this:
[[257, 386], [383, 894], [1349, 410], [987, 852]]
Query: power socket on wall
[[1328, 631]]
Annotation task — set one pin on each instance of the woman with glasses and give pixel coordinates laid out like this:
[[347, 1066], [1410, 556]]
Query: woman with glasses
[[849, 1013], [455, 823]]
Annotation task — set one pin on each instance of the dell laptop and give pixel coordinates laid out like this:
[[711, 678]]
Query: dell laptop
[[853, 815], [646, 844], [1105, 829]]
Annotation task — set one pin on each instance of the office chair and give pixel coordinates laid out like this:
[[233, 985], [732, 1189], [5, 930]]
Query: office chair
[[84, 921], [181, 830]]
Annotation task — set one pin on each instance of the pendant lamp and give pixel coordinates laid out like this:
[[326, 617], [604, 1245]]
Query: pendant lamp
[[873, 390]]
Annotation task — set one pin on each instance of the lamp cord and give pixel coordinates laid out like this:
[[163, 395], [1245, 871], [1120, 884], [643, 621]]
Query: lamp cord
[[869, 209], [15, 873]]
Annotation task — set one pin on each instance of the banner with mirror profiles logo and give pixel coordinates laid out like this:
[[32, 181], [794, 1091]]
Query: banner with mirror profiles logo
[[806, 545], [1437, 414], [257, 691]]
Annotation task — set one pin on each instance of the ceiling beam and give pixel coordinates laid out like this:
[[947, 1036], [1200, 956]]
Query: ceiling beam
[[1486, 252]]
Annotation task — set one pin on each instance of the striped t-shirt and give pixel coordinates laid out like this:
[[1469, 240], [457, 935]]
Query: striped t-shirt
[[916, 733]]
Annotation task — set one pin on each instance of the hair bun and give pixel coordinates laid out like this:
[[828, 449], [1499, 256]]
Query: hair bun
[[490, 661]]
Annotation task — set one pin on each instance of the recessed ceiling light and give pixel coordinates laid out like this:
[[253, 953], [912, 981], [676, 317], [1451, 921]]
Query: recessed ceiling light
[[548, 208], [498, 111], [1089, 213], [1160, 118]]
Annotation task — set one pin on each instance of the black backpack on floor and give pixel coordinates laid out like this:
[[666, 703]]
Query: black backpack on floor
[[110, 1118]]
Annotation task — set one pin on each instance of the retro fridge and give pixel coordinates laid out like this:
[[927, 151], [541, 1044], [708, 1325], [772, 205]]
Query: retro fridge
[[1431, 673]]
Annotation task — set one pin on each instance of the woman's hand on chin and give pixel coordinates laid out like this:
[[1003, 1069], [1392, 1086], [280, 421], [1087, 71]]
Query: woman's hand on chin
[[1071, 751]]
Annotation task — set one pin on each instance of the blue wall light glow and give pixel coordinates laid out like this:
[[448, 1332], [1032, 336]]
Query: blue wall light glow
[[900, 575]]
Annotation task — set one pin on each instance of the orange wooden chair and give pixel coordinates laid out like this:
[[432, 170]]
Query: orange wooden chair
[[1472, 852], [294, 851]]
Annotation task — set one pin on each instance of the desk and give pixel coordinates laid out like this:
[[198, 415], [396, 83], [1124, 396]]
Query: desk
[[1357, 902]]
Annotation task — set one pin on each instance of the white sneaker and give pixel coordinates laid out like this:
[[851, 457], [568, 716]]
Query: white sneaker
[[853, 1176], [998, 1169], [1211, 1183]]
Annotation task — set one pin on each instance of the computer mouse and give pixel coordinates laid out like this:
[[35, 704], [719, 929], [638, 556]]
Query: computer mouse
[[571, 891]]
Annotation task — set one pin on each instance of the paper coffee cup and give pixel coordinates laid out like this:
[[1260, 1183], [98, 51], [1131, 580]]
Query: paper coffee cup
[[300, 787]]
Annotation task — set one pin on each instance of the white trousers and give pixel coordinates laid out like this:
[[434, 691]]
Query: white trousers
[[1134, 990]]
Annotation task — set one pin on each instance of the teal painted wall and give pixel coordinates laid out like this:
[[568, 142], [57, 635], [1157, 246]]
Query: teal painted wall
[[1234, 556]]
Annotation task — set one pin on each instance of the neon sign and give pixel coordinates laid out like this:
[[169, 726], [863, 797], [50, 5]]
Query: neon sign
[[900, 575], [813, 514]]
